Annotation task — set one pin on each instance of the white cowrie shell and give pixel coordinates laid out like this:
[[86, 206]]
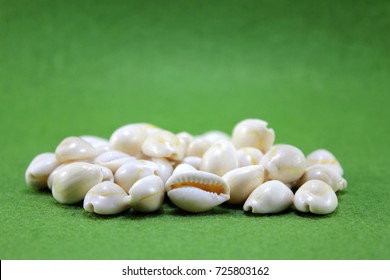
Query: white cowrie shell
[[113, 159], [197, 191], [53, 173], [316, 197], [194, 161], [183, 167], [324, 157], [74, 149], [248, 156], [270, 197], [73, 181], [130, 138], [106, 198], [185, 138], [100, 144], [220, 158], [253, 133], [130, 172], [107, 174], [198, 147], [147, 194], [214, 136], [164, 168], [39, 170], [163, 144], [325, 174], [285, 163], [242, 181]]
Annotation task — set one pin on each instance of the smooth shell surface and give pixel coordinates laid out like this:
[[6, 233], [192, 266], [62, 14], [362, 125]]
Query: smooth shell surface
[[75, 149], [53, 173], [284, 163], [324, 157], [220, 158], [147, 194], [101, 145], [39, 170], [242, 181], [270, 197], [130, 172], [198, 147], [197, 191], [194, 161], [316, 197], [164, 168], [106, 198], [164, 144], [185, 138], [73, 181], [113, 159], [326, 174], [253, 133], [214, 136], [107, 174], [130, 138], [183, 167], [248, 156]]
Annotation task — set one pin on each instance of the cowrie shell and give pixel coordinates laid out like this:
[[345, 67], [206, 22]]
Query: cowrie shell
[[326, 174], [248, 156], [164, 168], [194, 161], [198, 147], [100, 144], [183, 167], [130, 138], [106, 198], [113, 159], [39, 170], [324, 157], [214, 136], [185, 138], [163, 144], [73, 181], [74, 149], [197, 191], [316, 197], [270, 197]]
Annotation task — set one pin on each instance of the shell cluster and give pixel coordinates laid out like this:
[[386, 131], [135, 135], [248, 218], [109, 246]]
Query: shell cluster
[[141, 164]]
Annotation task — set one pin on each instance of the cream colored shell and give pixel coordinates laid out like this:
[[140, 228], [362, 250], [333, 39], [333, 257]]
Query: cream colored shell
[[185, 138], [147, 194], [39, 170], [101, 145], [164, 144], [53, 173], [130, 138], [75, 149], [214, 136], [194, 161], [197, 191], [248, 156], [326, 174], [316, 197], [270, 197], [324, 157], [73, 181], [253, 133], [242, 181], [220, 158], [107, 174], [198, 147], [284, 163], [113, 159], [164, 168], [183, 167], [106, 198]]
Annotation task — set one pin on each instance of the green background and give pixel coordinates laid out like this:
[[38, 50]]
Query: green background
[[317, 71]]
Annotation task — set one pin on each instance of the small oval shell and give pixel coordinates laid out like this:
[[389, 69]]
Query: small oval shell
[[270, 197], [248, 156], [194, 161], [197, 191], [147, 194], [324, 157], [39, 170], [214, 136], [185, 138], [53, 173], [183, 167], [73, 181], [316, 197], [74, 149], [100, 144], [130, 172], [198, 147], [325, 174], [242, 181], [113, 159], [107, 174], [130, 138], [253, 133], [163, 144], [164, 168], [220, 158], [284, 163], [106, 198]]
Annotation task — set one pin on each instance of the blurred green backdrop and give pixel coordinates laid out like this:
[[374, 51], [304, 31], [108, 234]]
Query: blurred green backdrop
[[317, 71]]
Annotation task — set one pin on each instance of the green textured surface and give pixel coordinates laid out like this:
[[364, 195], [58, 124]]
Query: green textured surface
[[317, 71]]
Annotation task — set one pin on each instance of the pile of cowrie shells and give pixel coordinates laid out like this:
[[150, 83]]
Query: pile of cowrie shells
[[140, 163]]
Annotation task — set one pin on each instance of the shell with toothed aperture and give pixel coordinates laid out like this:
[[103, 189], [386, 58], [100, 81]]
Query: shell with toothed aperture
[[197, 191]]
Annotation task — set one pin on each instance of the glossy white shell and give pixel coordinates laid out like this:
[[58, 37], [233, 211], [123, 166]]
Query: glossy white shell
[[100, 144], [130, 172], [107, 174], [214, 136], [39, 169], [253, 133], [324, 157], [185, 191], [316, 197], [163, 144], [113, 159], [242, 181], [284, 163], [248, 156], [194, 161], [198, 147], [270, 197], [73, 181], [164, 168], [326, 174], [220, 158], [147, 194], [185, 138], [53, 173], [75, 149], [129, 138], [183, 167], [106, 198]]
